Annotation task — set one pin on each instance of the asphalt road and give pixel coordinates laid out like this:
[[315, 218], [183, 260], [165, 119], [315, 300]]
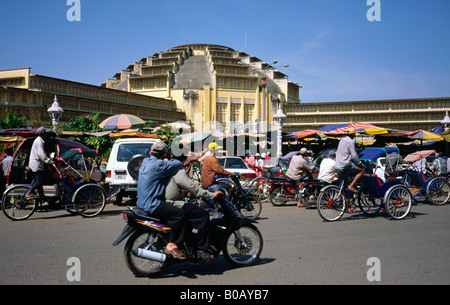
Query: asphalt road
[[299, 248]]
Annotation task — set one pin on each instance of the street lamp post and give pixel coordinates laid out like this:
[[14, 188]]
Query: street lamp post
[[446, 121], [55, 112], [279, 116], [263, 85]]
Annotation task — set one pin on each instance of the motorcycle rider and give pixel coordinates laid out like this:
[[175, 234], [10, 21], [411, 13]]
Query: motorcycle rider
[[153, 175], [297, 166], [196, 216]]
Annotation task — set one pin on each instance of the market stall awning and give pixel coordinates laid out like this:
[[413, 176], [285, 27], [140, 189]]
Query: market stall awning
[[301, 134], [425, 136], [339, 129]]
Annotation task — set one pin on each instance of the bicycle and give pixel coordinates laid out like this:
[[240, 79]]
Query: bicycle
[[84, 197]]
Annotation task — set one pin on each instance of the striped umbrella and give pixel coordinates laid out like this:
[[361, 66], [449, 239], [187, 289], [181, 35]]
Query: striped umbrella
[[122, 121]]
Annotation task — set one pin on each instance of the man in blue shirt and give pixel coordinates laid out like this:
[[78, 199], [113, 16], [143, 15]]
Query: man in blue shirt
[[153, 175]]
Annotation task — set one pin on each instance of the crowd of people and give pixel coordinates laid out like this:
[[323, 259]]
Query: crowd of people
[[163, 177]]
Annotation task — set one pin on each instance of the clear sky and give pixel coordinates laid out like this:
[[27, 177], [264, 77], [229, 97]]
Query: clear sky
[[334, 52]]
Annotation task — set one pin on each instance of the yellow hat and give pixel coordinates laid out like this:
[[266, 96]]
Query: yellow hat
[[213, 146], [351, 130]]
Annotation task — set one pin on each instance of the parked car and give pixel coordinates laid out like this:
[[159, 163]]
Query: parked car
[[19, 172], [237, 165], [125, 154]]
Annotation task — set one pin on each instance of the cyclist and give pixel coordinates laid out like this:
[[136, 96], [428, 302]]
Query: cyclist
[[344, 155], [37, 159]]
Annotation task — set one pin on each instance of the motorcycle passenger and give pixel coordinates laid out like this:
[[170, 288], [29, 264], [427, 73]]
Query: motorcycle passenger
[[327, 170], [439, 165], [344, 154], [297, 165], [210, 169], [153, 175], [196, 216]]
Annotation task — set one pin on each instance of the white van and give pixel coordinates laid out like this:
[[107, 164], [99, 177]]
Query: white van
[[123, 153]]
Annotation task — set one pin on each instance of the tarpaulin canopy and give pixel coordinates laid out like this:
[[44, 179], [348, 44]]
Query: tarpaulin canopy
[[133, 135], [338, 129], [301, 134], [425, 136], [373, 153], [419, 155]]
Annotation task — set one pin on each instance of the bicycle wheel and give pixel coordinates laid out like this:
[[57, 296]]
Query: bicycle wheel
[[260, 186], [254, 205], [147, 241], [369, 205], [14, 206], [89, 200], [438, 191], [331, 203], [398, 201], [243, 246]]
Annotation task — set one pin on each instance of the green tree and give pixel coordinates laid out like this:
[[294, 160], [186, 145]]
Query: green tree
[[89, 123], [9, 119]]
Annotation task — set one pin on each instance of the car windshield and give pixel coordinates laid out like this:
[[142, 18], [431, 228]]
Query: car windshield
[[127, 151], [232, 163]]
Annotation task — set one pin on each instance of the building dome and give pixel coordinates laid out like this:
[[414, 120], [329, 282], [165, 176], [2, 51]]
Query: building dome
[[209, 82]]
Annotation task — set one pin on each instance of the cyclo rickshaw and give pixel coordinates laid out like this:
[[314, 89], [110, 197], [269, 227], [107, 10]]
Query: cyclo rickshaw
[[434, 189], [373, 195], [75, 190]]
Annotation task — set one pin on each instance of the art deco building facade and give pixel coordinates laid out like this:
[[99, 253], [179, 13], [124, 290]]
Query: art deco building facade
[[211, 83], [30, 95]]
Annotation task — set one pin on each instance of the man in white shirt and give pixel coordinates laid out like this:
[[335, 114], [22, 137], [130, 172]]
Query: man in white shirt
[[37, 160], [327, 171]]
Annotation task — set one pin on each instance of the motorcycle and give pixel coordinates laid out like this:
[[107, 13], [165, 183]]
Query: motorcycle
[[283, 190], [236, 236]]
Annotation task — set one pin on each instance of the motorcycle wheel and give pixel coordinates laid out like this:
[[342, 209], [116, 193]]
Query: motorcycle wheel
[[277, 192], [243, 246], [143, 267]]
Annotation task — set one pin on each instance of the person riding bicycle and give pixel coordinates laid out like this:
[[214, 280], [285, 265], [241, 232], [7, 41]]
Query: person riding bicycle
[[344, 154], [37, 159], [153, 175], [195, 215], [298, 165]]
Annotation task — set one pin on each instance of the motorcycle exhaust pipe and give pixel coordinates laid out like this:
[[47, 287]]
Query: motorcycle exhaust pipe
[[152, 255]]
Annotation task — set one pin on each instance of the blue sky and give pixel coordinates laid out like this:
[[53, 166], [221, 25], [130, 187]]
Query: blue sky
[[333, 51]]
